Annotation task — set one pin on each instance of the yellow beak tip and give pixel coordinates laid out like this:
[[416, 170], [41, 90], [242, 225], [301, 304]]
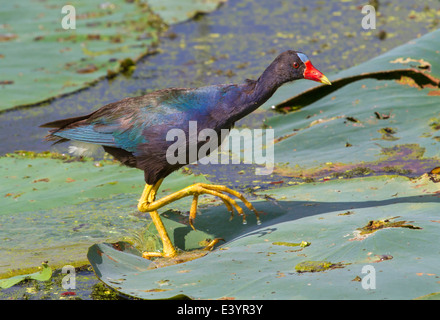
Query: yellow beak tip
[[325, 80]]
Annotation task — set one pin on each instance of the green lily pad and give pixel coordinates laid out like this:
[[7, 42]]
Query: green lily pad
[[43, 60], [250, 265], [66, 60], [43, 275]]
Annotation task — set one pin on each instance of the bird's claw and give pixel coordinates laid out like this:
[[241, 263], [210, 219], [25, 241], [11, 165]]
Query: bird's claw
[[222, 193], [211, 244]]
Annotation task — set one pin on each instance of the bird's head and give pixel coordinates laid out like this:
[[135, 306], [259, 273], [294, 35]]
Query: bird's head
[[294, 65]]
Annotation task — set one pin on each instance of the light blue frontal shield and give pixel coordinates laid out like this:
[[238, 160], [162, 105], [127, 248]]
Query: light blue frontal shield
[[303, 57]]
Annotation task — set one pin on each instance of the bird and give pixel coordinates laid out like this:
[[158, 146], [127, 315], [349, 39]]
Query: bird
[[134, 131]]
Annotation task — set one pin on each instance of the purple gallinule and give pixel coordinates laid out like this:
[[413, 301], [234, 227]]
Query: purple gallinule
[[134, 130]]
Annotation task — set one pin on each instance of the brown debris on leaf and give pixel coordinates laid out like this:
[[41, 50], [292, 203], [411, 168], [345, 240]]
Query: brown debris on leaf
[[89, 69], [421, 64], [375, 225]]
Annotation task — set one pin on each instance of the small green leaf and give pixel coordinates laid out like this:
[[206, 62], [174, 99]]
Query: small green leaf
[[43, 275]]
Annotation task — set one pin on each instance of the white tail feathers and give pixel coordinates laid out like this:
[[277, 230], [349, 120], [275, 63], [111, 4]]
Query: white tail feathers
[[84, 149]]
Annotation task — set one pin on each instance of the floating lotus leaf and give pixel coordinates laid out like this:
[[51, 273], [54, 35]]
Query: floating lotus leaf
[[252, 264]]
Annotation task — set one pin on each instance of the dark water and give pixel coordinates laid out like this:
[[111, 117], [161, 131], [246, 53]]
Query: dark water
[[233, 43]]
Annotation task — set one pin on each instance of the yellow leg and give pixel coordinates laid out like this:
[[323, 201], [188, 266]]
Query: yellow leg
[[147, 203], [193, 211], [169, 251]]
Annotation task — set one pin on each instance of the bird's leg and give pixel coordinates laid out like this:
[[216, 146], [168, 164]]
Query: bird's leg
[[147, 203], [193, 210], [149, 195], [168, 249]]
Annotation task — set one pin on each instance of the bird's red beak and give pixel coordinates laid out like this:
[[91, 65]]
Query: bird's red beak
[[311, 73]]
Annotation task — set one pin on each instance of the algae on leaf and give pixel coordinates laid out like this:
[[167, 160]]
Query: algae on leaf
[[317, 266]]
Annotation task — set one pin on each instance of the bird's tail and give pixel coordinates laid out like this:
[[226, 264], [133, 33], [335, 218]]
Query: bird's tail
[[59, 125]]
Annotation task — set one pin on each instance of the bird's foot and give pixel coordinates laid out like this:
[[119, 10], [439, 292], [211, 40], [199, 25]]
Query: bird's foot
[[150, 255], [212, 243], [171, 254], [221, 192], [162, 260], [168, 252], [148, 203]]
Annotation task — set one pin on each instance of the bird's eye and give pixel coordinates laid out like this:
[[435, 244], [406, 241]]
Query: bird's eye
[[296, 65]]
